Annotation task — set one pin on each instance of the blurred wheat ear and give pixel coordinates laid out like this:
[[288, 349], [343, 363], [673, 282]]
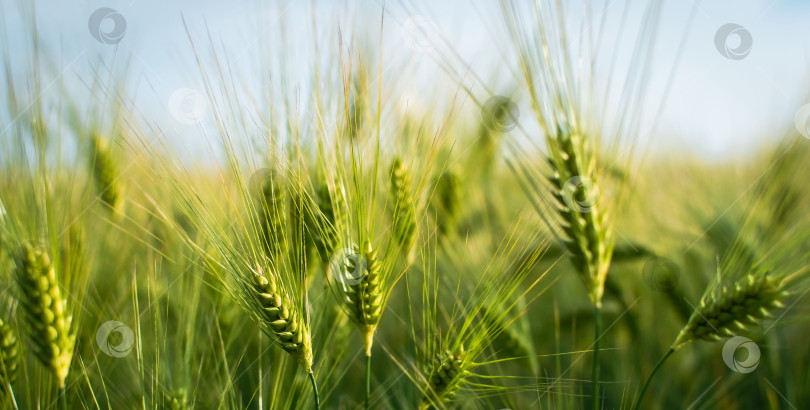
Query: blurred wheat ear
[[174, 401], [45, 312], [328, 220], [9, 354], [272, 216], [403, 212], [105, 173], [448, 203]]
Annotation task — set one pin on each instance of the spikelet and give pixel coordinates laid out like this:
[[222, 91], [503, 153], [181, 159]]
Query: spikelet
[[9, 354], [586, 235], [105, 173], [732, 308], [363, 291], [403, 212], [445, 376], [45, 311], [276, 313]]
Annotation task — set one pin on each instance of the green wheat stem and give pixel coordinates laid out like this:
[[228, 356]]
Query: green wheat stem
[[261, 379], [315, 394], [63, 397], [597, 328], [368, 380], [650, 377]]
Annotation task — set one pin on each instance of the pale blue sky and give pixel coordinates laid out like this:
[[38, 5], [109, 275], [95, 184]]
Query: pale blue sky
[[716, 106]]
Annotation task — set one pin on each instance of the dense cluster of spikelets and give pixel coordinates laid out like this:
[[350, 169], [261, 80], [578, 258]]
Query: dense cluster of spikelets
[[586, 235], [49, 323], [732, 308], [9, 354], [445, 376], [363, 294], [175, 401], [726, 309], [105, 173], [276, 313]]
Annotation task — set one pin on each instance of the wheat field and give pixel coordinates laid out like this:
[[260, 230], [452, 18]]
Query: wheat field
[[362, 214]]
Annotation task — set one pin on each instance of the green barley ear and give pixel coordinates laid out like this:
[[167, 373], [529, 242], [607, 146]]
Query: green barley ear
[[724, 310], [45, 312], [329, 219], [357, 95], [72, 252], [447, 373], [403, 212], [447, 203], [361, 281], [280, 316], [9, 354], [105, 173], [733, 308], [586, 235], [175, 401]]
